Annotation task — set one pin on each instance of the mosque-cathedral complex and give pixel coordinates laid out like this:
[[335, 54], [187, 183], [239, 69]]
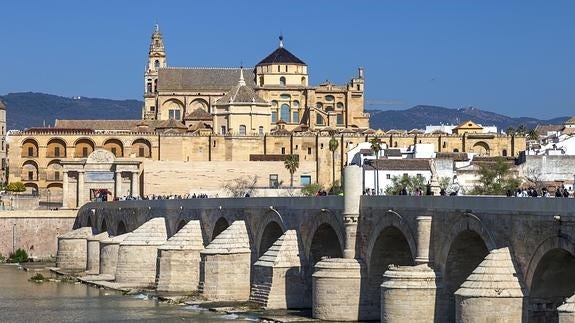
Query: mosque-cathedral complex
[[203, 127]]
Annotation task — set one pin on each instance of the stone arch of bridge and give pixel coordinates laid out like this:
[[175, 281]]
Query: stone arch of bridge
[[89, 222], [121, 228], [271, 226], [395, 220], [219, 226], [468, 222], [103, 226], [562, 242], [324, 223]]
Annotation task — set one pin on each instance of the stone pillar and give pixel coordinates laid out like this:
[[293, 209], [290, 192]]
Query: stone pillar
[[492, 293], [135, 184], [409, 294], [72, 250], [423, 239], [138, 253], [109, 255], [65, 190], [567, 311], [179, 260], [80, 193], [351, 203], [225, 267], [336, 290], [93, 261], [118, 185], [278, 282]]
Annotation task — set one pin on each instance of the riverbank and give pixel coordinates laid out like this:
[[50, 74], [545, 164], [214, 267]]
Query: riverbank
[[237, 310]]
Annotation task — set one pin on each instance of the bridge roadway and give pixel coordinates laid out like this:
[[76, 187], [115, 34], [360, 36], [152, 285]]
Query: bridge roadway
[[450, 235]]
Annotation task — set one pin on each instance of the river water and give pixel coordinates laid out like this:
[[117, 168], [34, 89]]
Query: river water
[[25, 301]]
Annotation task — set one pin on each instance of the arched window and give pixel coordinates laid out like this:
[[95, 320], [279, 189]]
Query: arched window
[[504, 153], [295, 103], [284, 113], [339, 105], [261, 130], [242, 130], [455, 150], [282, 81], [329, 98], [303, 80], [157, 64], [156, 85], [318, 105]]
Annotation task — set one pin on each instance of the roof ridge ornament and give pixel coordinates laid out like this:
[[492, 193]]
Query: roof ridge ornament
[[241, 82], [156, 27], [281, 40]]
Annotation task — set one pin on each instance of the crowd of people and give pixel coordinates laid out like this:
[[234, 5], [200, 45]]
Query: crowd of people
[[544, 192], [164, 197]]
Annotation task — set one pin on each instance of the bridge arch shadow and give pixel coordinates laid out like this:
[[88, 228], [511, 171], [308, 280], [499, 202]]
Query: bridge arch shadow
[[219, 226], [392, 243], [550, 277], [121, 228], [271, 226], [465, 247], [103, 226]]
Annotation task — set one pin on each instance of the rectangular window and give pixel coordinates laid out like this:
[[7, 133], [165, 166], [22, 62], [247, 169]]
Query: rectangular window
[[84, 151], [387, 176], [30, 151], [223, 130], [309, 150], [261, 130], [305, 180], [339, 118], [242, 130], [141, 152], [174, 114], [56, 151], [295, 117], [274, 181], [56, 176], [30, 176], [419, 175], [152, 108], [274, 116], [283, 150]]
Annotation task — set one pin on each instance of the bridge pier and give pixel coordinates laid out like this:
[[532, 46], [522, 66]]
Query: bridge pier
[[225, 265], [492, 293], [93, 261], [109, 255], [278, 280], [73, 250], [179, 260], [567, 311], [411, 294], [137, 254]]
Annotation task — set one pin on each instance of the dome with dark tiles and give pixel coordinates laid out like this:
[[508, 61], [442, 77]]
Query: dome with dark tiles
[[281, 56]]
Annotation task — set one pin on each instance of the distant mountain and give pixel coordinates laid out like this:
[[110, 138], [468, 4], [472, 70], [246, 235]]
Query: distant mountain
[[422, 115], [28, 109]]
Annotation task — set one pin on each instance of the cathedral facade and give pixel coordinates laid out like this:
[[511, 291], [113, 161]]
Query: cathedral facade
[[204, 127]]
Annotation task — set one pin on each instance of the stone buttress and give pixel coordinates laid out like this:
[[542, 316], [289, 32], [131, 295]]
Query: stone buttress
[[138, 253], [93, 261], [492, 293], [225, 265], [567, 311], [179, 260], [409, 294], [73, 250], [109, 256], [278, 278]]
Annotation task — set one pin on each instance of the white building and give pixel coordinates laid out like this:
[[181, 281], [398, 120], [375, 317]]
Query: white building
[[378, 174]]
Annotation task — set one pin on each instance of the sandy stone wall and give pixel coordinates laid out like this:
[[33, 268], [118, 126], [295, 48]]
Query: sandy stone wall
[[34, 231]]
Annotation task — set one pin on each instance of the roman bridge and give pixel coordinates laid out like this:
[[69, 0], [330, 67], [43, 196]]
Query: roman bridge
[[388, 258]]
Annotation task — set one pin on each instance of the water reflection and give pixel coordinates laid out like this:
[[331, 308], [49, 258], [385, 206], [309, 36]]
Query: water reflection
[[24, 301]]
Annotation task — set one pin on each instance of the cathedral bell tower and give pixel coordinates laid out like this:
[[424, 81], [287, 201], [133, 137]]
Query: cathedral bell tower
[[156, 60]]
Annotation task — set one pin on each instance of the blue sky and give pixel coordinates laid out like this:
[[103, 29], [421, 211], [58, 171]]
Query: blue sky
[[511, 57]]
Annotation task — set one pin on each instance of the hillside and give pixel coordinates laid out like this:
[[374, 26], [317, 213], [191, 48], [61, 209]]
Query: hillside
[[28, 109], [422, 115]]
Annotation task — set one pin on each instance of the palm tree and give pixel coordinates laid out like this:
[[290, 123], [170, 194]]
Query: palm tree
[[333, 144], [533, 134], [291, 163], [376, 147]]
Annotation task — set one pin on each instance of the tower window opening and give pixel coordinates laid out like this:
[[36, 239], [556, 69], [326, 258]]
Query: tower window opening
[[282, 81], [157, 64]]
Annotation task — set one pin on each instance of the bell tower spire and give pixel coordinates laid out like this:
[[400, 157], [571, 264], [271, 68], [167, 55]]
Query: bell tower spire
[[156, 59]]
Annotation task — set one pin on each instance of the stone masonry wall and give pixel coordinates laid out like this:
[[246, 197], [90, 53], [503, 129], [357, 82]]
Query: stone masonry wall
[[34, 231]]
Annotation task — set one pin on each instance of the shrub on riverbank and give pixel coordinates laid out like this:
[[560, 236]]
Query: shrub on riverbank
[[2, 259], [38, 278], [19, 256]]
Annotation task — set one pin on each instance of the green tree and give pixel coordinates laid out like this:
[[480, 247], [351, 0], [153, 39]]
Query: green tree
[[16, 187], [310, 189], [291, 163], [495, 178], [376, 148], [333, 144], [521, 130], [510, 131], [533, 135], [410, 183]]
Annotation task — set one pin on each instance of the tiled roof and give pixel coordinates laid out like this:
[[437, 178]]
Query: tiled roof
[[213, 79], [468, 125], [543, 129], [199, 114], [171, 124], [398, 164], [392, 152], [281, 56], [454, 156], [240, 94], [97, 124]]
